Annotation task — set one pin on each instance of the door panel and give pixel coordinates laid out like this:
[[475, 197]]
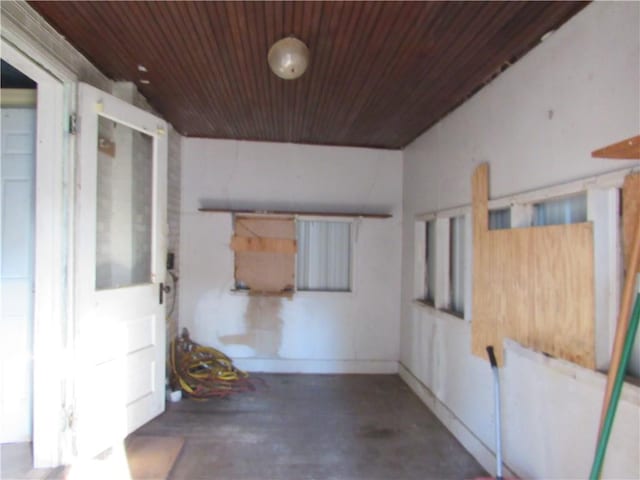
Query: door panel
[[16, 269], [120, 246]]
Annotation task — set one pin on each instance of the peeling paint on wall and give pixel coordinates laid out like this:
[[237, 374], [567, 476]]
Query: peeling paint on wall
[[263, 323]]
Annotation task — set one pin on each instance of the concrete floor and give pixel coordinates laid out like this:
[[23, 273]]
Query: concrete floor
[[347, 427]]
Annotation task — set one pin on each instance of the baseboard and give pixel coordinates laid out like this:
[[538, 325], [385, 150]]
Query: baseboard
[[283, 365], [481, 452]]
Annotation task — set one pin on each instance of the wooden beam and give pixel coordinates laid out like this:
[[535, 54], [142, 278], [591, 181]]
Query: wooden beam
[[628, 149], [305, 213], [630, 214], [261, 244]]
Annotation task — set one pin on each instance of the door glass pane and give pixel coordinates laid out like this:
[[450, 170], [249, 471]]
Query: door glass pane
[[123, 206]]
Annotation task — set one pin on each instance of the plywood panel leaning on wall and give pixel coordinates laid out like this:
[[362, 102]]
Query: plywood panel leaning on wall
[[630, 213], [265, 249], [534, 285]]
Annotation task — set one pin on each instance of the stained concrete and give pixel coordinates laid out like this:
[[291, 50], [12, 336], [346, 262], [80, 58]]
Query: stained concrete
[[339, 427], [314, 427]]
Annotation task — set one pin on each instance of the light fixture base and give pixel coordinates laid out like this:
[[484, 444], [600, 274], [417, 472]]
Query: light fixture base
[[288, 58]]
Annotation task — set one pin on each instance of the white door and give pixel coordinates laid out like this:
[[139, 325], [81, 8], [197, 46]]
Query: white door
[[120, 262], [16, 271]]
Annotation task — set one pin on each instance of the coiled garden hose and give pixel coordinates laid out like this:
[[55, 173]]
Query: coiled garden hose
[[204, 372]]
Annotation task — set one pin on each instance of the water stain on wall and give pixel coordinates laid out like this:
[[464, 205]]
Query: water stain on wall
[[263, 327]]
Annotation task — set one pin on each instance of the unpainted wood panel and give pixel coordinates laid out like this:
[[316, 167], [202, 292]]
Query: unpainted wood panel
[[533, 285], [265, 271], [630, 213], [265, 226], [260, 244], [627, 149]]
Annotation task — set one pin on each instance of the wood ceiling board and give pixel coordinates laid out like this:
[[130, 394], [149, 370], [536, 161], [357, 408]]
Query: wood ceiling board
[[380, 74]]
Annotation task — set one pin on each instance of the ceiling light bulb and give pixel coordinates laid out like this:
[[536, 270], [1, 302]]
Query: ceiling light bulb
[[288, 58]]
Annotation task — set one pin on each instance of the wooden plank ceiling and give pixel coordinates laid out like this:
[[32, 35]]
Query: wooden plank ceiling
[[380, 73]]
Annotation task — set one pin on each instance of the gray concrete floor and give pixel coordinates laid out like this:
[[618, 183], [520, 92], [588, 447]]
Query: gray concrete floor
[[315, 427], [347, 427]]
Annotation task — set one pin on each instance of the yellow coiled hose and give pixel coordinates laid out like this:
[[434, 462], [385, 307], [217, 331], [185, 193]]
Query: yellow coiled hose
[[204, 372]]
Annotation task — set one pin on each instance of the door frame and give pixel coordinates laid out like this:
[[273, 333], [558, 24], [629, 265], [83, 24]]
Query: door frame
[[52, 324]]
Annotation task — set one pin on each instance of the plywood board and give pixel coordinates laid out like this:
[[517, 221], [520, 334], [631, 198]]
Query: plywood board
[[484, 333], [630, 213], [627, 149], [265, 271], [152, 457], [260, 244], [534, 285]]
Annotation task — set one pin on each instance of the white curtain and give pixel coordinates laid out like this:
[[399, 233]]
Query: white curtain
[[324, 255], [561, 211], [500, 219], [457, 263], [430, 256]]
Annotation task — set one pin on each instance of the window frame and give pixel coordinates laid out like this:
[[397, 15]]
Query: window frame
[[442, 300], [603, 211], [451, 307]]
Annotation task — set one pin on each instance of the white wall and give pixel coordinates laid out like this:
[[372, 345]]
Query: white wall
[[313, 332], [536, 125]]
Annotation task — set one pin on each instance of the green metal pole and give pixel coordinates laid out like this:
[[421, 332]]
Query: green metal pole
[[598, 461]]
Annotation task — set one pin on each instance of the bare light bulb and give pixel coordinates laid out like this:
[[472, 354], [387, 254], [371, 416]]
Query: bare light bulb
[[288, 58]]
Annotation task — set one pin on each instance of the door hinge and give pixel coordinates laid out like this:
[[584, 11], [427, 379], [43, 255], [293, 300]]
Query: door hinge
[[69, 420], [73, 124]]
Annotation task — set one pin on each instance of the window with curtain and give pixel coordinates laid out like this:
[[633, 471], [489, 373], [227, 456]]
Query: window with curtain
[[324, 256], [561, 211], [457, 264], [500, 219], [430, 259]]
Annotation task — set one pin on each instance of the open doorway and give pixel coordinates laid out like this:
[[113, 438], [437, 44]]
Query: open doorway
[[33, 259], [17, 213], [18, 124]]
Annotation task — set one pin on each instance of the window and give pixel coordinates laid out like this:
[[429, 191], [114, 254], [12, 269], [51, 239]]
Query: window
[[324, 256], [500, 219], [457, 265], [442, 284], [430, 262], [561, 211], [442, 273]]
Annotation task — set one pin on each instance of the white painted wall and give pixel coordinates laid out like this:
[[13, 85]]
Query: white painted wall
[[313, 332], [536, 125]]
